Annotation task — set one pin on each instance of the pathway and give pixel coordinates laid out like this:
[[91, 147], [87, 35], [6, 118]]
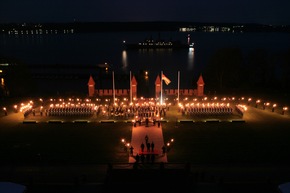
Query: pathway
[[154, 134]]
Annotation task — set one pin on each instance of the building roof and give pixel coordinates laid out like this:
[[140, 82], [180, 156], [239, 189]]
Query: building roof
[[200, 80], [91, 81], [134, 82], [158, 81]]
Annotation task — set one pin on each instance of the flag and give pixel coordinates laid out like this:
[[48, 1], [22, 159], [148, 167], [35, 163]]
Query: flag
[[166, 80]]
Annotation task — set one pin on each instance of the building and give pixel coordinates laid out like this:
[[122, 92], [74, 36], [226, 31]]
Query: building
[[127, 92]]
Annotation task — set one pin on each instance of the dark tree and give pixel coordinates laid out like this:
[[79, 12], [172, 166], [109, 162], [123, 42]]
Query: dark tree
[[261, 68], [224, 68], [19, 80], [285, 70]]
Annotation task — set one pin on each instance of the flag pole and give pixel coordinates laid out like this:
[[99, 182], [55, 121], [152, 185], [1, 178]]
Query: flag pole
[[130, 88], [161, 100], [113, 88], [178, 75]]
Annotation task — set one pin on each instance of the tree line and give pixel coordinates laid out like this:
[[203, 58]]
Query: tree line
[[229, 69]]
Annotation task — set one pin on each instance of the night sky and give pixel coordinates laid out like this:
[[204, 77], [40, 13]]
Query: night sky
[[275, 12]]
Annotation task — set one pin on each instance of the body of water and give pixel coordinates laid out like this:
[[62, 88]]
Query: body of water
[[74, 57]]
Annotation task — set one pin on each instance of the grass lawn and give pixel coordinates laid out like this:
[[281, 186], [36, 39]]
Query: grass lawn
[[65, 143], [197, 143], [227, 143]]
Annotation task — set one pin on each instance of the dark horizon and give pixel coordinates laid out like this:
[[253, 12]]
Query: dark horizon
[[146, 21], [142, 26]]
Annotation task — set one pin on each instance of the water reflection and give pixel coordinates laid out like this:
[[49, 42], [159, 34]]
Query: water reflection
[[124, 60], [190, 61], [2, 82]]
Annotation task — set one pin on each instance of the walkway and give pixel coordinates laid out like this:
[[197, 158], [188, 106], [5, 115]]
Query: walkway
[[154, 134]]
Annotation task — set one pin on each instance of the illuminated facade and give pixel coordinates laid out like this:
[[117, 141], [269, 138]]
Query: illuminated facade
[[93, 92]]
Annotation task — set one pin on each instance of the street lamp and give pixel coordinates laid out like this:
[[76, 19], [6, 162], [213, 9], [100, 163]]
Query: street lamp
[[273, 107], [265, 104], [124, 146], [15, 108], [257, 102], [284, 109], [5, 111], [249, 101], [41, 109]]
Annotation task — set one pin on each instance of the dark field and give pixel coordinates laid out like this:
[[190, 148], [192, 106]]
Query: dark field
[[197, 143], [256, 150]]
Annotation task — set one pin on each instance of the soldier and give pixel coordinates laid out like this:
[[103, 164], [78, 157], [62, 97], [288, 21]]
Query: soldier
[[131, 150], [142, 147], [148, 146], [152, 146]]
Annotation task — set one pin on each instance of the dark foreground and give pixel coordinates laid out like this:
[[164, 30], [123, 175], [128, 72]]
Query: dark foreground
[[148, 177], [245, 157]]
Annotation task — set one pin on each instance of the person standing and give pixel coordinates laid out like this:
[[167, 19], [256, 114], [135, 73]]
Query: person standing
[[148, 146], [142, 146], [131, 150], [152, 146]]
